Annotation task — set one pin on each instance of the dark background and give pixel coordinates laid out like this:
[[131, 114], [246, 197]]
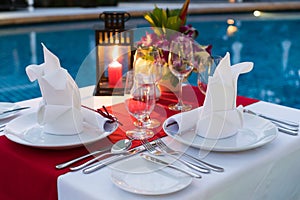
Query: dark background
[[20, 4]]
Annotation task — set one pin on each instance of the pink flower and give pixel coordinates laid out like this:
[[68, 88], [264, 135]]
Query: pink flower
[[189, 31], [150, 39]]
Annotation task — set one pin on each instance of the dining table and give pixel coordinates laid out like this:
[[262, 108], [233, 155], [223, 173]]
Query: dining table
[[266, 171]]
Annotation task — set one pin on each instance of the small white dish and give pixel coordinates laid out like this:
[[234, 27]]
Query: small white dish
[[137, 175], [4, 106], [256, 132], [26, 131]]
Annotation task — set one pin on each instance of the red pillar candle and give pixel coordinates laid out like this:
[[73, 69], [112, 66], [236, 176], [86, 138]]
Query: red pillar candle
[[115, 74]]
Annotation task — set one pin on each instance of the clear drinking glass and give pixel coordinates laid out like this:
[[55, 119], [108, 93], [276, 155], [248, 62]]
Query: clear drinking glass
[[206, 68], [181, 59], [139, 96], [147, 60]]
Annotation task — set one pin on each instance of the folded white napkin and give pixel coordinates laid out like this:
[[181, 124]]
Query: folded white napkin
[[218, 117], [60, 110], [95, 119], [182, 122]]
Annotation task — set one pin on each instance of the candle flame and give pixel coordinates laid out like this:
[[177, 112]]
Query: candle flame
[[115, 53]]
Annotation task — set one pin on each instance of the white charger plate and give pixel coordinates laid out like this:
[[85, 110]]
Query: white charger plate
[[137, 175], [26, 131], [256, 132], [8, 106]]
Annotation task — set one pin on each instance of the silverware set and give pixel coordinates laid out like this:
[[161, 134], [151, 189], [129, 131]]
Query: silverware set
[[108, 156], [284, 126], [157, 148]]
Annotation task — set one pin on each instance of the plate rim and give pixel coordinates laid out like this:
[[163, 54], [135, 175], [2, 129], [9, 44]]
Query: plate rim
[[258, 143], [136, 191], [16, 139]]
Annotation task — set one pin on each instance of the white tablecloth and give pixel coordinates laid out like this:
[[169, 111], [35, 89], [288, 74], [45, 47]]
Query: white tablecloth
[[268, 172]]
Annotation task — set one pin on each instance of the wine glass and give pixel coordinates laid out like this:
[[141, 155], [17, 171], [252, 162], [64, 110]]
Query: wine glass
[[206, 68], [180, 60], [139, 96], [148, 60]]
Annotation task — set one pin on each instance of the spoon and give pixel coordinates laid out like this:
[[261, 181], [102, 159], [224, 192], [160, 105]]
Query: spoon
[[119, 147], [121, 144]]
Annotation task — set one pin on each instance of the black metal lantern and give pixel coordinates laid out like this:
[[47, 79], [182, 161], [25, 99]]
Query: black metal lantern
[[113, 53]]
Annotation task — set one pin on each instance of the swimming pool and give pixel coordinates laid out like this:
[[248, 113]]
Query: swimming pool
[[272, 42]]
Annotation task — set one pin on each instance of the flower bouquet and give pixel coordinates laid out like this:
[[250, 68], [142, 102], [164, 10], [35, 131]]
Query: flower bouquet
[[167, 25]]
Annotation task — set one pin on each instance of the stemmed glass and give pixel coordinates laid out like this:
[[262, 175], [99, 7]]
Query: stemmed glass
[[181, 59], [206, 68], [147, 60], [139, 96]]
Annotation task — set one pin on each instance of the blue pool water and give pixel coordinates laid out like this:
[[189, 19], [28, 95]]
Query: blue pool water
[[271, 42]]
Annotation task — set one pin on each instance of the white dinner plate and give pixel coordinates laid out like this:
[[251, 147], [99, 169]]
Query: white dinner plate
[[26, 131], [4, 106], [256, 132], [137, 175]]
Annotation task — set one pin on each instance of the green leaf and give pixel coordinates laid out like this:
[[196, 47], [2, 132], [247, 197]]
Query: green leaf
[[174, 23], [164, 17], [157, 30], [157, 16], [150, 20], [174, 12]]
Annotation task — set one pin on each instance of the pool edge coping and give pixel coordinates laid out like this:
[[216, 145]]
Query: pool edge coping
[[42, 15]]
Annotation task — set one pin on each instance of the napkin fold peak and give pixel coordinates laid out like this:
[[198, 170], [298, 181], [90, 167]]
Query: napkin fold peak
[[60, 109], [52, 60]]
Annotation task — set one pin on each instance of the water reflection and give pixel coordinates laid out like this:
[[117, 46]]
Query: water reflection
[[272, 46], [236, 49], [32, 39]]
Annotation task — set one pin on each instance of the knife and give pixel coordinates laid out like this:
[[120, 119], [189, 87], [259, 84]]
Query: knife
[[13, 110], [111, 160], [68, 163], [164, 163], [285, 122]]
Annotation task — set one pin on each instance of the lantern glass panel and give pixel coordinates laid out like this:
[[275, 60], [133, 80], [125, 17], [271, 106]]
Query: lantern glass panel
[[113, 49]]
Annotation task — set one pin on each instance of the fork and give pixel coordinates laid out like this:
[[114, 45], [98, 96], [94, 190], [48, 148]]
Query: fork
[[167, 149], [95, 159], [284, 126], [152, 150]]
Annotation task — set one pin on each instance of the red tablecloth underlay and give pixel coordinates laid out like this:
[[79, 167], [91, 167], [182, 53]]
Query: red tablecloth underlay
[[29, 173]]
